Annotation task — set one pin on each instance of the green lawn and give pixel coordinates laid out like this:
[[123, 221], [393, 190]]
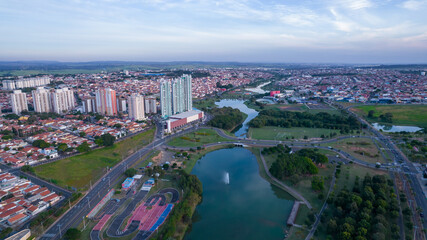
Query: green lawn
[[415, 115], [197, 139], [348, 175], [79, 170], [282, 134]]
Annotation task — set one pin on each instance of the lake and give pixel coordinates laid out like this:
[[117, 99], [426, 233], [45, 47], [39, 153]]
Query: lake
[[237, 202], [395, 128], [239, 104]]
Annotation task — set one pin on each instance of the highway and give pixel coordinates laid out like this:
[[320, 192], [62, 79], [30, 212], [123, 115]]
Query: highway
[[75, 215]]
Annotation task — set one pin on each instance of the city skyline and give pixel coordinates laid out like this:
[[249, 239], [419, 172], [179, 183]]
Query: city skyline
[[339, 31]]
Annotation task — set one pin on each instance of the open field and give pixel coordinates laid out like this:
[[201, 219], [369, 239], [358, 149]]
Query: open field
[[350, 171], [78, 171], [279, 133], [415, 115], [363, 149], [197, 139]]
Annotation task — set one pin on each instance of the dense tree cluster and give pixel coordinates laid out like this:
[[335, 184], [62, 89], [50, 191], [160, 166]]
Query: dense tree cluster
[[287, 164], [41, 144], [287, 119], [84, 147], [369, 211], [105, 140], [226, 118], [130, 172], [183, 211], [313, 155]]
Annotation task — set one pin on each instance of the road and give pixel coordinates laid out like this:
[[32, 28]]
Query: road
[[75, 215], [410, 172]]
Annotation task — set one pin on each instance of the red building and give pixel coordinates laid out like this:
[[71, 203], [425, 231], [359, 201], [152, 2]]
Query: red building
[[272, 93]]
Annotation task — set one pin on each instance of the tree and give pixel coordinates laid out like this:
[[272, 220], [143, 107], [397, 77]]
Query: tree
[[27, 168], [107, 139], [317, 183], [82, 134], [62, 147], [84, 147], [41, 144], [165, 166], [371, 113], [117, 125], [130, 172], [72, 234]]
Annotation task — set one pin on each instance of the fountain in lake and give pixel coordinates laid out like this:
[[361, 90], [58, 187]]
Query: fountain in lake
[[227, 178]]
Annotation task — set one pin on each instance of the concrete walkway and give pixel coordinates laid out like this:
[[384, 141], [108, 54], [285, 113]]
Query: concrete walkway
[[288, 189]]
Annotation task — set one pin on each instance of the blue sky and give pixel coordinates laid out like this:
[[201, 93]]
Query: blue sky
[[336, 31]]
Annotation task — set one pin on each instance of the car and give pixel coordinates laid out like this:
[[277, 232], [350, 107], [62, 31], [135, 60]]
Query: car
[[421, 214]]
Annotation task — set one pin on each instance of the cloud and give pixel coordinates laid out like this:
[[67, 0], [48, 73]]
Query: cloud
[[414, 4]]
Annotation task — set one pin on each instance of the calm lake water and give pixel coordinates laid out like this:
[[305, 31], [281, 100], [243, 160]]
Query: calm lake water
[[395, 128], [248, 207], [239, 104]]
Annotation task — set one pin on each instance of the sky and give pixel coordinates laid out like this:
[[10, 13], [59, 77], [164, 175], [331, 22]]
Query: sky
[[298, 31]]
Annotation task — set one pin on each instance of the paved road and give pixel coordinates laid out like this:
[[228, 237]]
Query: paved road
[[75, 215]]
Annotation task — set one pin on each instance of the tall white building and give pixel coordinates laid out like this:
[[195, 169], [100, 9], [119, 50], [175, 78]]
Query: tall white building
[[150, 105], [62, 100], [176, 96], [165, 99], [89, 104], [188, 97], [106, 102], [18, 100], [25, 83], [136, 107], [42, 100]]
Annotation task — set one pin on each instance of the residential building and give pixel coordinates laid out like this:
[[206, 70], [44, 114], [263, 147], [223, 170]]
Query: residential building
[[121, 104], [106, 102], [176, 96], [42, 100], [188, 98], [89, 104], [18, 100], [150, 105], [25, 83], [136, 107], [62, 100], [165, 98]]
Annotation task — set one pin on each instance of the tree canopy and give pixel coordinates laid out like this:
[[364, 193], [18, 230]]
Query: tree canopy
[[287, 119], [226, 118]]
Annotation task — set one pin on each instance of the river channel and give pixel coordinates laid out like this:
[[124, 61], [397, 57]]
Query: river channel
[[239, 104], [237, 202]]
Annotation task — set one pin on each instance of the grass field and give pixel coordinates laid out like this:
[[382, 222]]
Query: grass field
[[279, 133], [415, 115], [363, 149], [350, 171], [197, 139], [78, 171]]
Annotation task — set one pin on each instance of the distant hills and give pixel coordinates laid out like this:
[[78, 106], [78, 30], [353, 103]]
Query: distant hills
[[54, 67]]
